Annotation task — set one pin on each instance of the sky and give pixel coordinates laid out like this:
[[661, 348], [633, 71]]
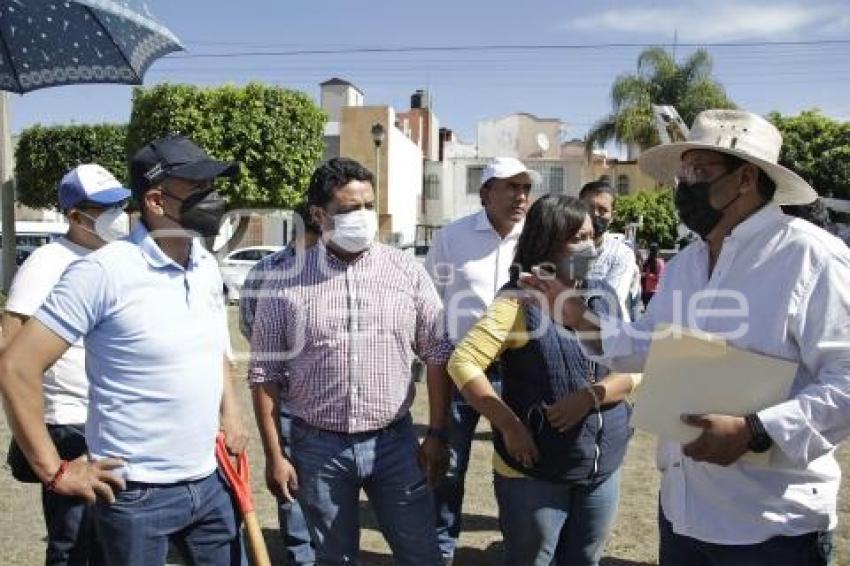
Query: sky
[[467, 86]]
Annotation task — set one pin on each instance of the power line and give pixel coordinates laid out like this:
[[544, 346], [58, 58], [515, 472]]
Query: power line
[[502, 47]]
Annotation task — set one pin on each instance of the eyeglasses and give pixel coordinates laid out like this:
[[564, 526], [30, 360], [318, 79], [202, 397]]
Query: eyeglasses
[[87, 205], [699, 172]]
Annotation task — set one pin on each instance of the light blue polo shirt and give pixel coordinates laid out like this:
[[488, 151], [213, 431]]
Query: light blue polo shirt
[[155, 336]]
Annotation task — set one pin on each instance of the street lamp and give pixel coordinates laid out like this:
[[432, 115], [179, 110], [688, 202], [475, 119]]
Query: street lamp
[[378, 134]]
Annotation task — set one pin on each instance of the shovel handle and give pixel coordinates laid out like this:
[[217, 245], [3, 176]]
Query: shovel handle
[[256, 543]]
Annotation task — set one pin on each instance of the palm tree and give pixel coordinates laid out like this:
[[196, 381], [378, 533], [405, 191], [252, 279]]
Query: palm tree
[[688, 86]]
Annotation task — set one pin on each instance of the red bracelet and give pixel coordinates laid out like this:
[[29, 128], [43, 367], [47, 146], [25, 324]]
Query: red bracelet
[[51, 485]]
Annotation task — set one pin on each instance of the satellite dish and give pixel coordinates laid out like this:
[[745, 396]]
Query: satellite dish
[[542, 142]]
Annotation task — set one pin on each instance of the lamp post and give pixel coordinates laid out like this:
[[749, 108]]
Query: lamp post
[[378, 134]]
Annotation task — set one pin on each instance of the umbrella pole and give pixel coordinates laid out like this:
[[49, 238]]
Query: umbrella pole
[[7, 197]]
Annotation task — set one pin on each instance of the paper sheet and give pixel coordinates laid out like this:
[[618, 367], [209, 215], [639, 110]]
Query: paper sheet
[[688, 372]]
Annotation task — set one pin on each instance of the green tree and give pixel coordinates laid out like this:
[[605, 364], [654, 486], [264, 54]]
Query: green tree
[[45, 154], [817, 148], [689, 86], [656, 209], [275, 134]]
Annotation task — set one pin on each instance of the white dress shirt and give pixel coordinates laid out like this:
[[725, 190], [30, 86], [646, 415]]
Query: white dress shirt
[[469, 262], [781, 287]]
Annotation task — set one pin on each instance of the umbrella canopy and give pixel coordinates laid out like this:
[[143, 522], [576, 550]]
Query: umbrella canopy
[[46, 43]]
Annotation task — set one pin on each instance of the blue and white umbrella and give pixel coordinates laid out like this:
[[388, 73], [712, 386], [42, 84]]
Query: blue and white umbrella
[[46, 43]]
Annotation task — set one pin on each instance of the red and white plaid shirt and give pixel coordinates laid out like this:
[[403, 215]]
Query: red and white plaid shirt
[[340, 337]]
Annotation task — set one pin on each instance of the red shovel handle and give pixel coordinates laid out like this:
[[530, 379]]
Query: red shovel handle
[[239, 476]]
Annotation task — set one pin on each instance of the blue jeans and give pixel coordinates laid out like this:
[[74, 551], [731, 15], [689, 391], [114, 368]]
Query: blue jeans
[[70, 532], [198, 516], [448, 496], [297, 547], [812, 549], [332, 469], [547, 523]]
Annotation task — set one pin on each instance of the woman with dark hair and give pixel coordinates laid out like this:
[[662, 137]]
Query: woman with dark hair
[[560, 426], [651, 272]]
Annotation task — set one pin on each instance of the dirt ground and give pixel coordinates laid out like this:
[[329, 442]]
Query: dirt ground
[[634, 540]]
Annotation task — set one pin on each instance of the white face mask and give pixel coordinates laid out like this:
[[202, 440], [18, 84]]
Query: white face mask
[[579, 263], [112, 224], [354, 231]]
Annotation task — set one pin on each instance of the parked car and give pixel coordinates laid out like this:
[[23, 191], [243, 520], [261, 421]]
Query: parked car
[[236, 265], [30, 234]]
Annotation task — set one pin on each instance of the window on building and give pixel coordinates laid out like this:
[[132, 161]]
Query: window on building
[[431, 188], [622, 184], [551, 180], [605, 178], [473, 178]]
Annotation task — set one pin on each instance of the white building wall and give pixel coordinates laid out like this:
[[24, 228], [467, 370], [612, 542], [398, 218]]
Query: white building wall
[[404, 184], [499, 137]]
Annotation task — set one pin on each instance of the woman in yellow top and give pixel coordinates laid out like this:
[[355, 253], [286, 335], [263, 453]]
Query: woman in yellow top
[[561, 426]]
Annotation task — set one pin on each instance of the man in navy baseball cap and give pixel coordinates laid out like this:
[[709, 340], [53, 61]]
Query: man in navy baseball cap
[[175, 156]]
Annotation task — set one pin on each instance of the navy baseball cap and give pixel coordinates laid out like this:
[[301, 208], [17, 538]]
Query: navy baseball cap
[[175, 156], [90, 183]]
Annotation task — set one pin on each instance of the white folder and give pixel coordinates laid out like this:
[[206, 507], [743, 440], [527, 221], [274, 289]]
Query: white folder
[[690, 372]]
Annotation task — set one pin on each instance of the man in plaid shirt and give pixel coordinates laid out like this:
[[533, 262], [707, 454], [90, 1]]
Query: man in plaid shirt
[[297, 545], [336, 330]]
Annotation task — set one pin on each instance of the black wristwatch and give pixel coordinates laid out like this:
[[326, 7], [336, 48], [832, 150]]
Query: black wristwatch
[[761, 441], [438, 433]]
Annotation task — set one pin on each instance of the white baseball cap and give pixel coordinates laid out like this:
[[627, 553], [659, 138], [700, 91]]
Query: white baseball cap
[[90, 183], [505, 168]]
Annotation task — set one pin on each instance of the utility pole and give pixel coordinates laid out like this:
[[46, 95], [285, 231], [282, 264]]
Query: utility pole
[[7, 195]]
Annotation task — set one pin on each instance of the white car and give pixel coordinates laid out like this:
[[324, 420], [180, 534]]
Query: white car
[[236, 265]]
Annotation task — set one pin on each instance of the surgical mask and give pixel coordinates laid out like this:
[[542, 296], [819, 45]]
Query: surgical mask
[[201, 212], [354, 231], [578, 265], [693, 202], [112, 224], [600, 225]]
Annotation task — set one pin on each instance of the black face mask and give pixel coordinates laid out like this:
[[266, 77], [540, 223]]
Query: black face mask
[[201, 212], [693, 202], [600, 225]]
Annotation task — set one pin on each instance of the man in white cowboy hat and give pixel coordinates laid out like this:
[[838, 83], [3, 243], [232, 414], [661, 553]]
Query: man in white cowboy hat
[[770, 284]]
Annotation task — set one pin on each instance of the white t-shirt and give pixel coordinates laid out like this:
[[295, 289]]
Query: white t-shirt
[[65, 383]]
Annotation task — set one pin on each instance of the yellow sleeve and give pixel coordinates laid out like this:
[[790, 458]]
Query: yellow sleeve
[[501, 328]]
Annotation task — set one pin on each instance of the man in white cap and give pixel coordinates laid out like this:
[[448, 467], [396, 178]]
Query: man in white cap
[[93, 201], [469, 261], [769, 284]]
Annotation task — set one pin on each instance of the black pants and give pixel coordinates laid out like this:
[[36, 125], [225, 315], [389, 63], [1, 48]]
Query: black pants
[[811, 549], [70, 531]]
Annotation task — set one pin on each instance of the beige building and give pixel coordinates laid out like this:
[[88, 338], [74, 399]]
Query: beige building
[[396, 163]]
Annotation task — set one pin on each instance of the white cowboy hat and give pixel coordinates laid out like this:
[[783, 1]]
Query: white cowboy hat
[[735, 132]]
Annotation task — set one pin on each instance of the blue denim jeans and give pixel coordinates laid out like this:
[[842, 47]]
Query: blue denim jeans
[[70, 532], [448, 496], [547, 523], [332, 469], [812, 549], [199, 517], [297, 546]]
